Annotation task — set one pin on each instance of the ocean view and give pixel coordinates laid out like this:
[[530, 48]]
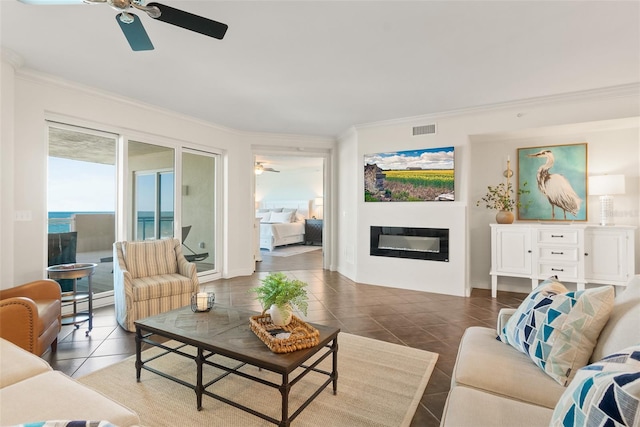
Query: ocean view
[[60, 222]]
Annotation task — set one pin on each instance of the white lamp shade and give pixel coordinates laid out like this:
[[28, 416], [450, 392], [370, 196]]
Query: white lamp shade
[[606, 185]]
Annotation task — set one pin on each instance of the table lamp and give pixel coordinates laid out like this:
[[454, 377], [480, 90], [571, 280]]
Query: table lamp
[[606, 186]]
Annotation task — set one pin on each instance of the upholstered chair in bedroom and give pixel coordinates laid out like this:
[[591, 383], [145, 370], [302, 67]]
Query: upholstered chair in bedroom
[[31, 315], [149, 278]]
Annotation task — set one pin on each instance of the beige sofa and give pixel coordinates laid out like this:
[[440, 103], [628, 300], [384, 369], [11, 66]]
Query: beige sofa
[[31, 391], [495, 385]]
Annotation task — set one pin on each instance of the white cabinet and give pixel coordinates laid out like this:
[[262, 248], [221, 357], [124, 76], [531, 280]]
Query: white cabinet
[[578, 253], [609, 254]]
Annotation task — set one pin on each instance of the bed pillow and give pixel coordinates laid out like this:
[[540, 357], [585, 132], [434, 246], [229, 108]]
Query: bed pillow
[[558, 329], [605, 393], [264, 216], [280, 217]]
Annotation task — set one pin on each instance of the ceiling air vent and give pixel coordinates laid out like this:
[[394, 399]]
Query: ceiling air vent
[[424, 130]]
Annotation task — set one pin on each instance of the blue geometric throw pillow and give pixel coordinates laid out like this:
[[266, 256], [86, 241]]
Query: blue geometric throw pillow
[[558, 329], [605, 393]]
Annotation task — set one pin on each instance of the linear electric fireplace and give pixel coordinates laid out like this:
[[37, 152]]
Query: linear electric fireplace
[[410, 242]]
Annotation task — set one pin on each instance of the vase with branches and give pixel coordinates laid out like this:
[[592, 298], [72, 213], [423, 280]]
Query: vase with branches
[[503, 198]]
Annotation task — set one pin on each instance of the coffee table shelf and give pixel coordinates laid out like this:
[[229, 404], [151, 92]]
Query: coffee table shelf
[[227, 334]]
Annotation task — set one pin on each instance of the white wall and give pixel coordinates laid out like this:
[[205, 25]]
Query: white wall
[[295, 184], [481, 140], [613, 147], [29, 98]]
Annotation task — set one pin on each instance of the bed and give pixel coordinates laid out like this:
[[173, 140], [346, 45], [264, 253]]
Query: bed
[[282, 222]]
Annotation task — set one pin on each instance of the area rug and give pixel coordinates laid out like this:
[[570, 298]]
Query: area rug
[[287, 251], [379, 385]]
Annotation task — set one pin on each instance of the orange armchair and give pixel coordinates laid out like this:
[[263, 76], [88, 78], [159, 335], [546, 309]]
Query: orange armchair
[[31, 315]]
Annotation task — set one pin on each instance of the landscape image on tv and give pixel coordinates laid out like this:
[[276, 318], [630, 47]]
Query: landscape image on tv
[[409, 176]]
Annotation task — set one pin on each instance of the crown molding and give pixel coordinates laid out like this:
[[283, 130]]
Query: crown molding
[[48, 79], [12, 58], [611, 92]]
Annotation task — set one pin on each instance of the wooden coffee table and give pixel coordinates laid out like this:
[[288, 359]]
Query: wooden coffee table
[[225, 331]]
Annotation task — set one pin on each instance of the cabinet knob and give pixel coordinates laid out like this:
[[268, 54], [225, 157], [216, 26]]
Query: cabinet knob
[[529, 251], [586, 254]]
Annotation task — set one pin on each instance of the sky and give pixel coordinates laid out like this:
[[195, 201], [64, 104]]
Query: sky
[[76, 186], [432, 158]]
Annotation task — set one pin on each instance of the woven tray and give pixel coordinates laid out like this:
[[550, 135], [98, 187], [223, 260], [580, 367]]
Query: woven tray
[[302, 336]]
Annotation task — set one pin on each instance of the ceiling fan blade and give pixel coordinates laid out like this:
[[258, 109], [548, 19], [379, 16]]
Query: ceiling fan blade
[[270, 170], [192, 22], [135, 33]]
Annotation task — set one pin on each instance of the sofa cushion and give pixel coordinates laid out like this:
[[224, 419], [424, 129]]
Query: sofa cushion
[[558, 329], [54, 396], [487, 364], [605, 393], [152, 258], [466, 407], [622, 329], [17, 364]]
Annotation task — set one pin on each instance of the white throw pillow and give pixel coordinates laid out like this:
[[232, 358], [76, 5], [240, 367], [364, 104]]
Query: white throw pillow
[[280, 217], [264, 216]]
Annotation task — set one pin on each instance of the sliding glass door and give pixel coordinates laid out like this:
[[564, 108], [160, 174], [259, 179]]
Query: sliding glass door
[[153, 189], [81, 199], [199, 208]]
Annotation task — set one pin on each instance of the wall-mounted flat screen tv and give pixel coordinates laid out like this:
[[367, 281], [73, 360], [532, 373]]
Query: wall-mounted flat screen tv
[[410, 176]]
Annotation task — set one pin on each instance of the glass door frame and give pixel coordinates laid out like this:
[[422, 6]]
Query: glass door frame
[[218, 220], [124, 201]]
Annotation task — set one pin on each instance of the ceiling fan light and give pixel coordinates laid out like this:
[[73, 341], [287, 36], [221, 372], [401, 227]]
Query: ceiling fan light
[[258, 169]]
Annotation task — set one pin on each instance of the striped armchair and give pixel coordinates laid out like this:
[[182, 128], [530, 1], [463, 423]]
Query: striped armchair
[[150, 278]]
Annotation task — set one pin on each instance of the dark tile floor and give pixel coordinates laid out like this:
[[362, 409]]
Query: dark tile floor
[[423, 320]]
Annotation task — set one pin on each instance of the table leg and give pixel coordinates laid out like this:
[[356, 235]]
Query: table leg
[[334, 372], [199, 387], [284, 391], [138, 353], [90, 305]]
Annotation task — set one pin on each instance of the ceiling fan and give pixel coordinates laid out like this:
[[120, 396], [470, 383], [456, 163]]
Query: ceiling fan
[[132, 26], [259, 168]]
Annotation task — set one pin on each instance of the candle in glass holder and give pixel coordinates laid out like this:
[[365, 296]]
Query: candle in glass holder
[[201, 301]]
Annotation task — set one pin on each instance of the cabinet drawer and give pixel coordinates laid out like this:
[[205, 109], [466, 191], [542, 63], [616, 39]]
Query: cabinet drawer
[[563, 271], [563, 236], [558, 254]]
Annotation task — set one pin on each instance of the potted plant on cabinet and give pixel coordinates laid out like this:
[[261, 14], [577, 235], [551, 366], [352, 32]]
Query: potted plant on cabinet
[[502, 198], [279, 295]]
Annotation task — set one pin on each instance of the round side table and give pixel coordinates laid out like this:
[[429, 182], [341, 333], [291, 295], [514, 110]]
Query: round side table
[[75, 272]]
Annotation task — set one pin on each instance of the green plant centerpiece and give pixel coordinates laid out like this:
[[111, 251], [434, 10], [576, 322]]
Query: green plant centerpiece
[[279, 295], [504, 199]]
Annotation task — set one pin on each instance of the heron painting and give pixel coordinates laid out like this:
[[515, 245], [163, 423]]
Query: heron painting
[[560, 174]]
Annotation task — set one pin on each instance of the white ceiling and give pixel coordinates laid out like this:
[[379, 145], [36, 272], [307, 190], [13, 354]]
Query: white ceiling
[[319, 67]]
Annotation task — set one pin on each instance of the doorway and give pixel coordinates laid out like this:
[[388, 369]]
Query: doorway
[[290, 182]]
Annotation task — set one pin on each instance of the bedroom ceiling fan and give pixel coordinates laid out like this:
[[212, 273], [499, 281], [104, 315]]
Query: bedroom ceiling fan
[[259, 168], [132, 27]]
